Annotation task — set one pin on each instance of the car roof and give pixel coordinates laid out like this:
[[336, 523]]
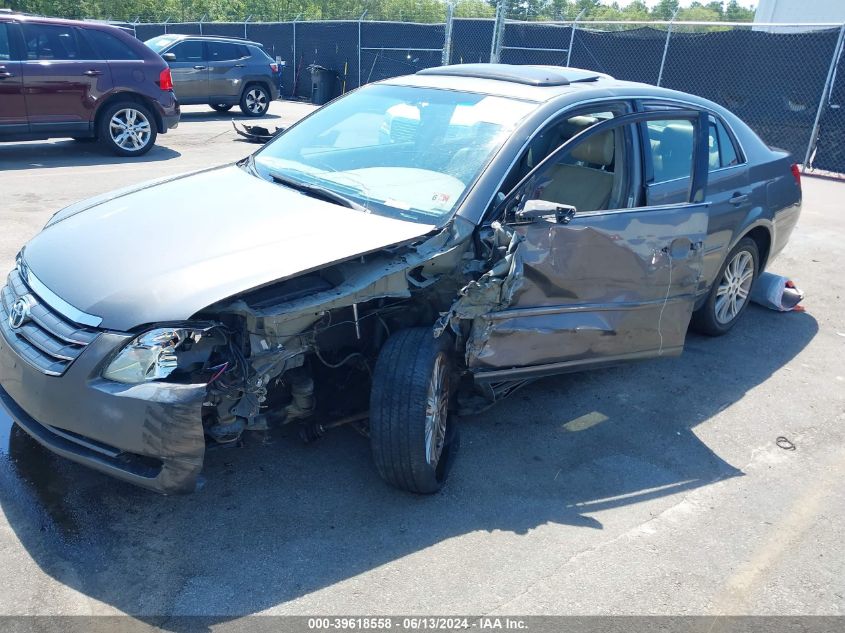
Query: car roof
[[208, 38], [540, 84]]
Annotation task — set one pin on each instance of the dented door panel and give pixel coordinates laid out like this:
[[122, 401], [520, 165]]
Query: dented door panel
[[607, 286]]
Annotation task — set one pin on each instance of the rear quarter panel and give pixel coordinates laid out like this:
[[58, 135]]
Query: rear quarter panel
[[783, 199]]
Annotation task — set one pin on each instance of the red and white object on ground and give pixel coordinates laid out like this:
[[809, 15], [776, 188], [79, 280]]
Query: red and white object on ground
[[777, 293]]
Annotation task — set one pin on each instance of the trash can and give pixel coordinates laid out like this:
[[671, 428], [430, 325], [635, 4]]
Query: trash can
[[323, 83]]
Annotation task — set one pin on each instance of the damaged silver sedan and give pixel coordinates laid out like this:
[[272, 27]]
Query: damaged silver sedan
[[420, 247]]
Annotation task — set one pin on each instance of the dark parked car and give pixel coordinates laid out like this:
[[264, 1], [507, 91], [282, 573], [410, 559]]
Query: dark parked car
[[220, 71], [420, 246], [61, 78]]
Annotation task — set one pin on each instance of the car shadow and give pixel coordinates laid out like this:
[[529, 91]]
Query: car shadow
[[280, 520], [233, 114], [70, 153]]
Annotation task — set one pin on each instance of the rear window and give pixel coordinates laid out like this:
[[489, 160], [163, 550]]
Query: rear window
[[5, 51], [51, 41], [721, 147], [110, 47], [223, 51]]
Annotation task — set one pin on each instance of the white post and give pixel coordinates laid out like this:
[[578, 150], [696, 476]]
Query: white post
[[249, 17], [572, 35], [447, 37], [360, 20], [204, 16], [498, 31], [666, 46], [837, 53]]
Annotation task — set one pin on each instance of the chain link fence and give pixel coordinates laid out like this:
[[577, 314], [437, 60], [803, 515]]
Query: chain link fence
[[786, 81]]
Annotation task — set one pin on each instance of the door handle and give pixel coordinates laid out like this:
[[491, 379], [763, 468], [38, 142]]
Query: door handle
[[199, 67], [240, 65], [738, 198], [5, 75], [93, 73]]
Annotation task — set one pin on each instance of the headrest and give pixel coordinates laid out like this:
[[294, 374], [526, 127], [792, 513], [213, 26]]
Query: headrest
[[676, 140], [596, 150]]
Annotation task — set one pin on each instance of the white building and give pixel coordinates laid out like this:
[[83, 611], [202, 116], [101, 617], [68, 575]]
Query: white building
[[802, 11]]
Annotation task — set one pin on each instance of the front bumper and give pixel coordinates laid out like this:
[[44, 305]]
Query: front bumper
[[149, 435]]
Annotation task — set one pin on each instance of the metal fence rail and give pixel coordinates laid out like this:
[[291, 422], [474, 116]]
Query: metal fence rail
[[786, 80]]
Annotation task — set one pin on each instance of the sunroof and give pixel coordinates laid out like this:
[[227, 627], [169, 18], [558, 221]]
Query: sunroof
[[527, 75]]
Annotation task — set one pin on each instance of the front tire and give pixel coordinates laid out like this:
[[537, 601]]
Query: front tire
[[413, 434], [730, 294], [255, 100], [127, 128]]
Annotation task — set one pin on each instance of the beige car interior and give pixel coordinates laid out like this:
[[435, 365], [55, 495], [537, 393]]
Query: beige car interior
[[589, 177]]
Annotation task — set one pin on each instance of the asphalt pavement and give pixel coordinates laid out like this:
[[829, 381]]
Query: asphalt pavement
[[654, 488]]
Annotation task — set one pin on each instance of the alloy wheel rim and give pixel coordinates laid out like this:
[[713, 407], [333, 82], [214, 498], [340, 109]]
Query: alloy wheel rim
[[436, 412], [130, 129], [734, 287], [256, 100]]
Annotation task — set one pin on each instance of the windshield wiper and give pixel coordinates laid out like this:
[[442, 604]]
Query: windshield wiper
[[316, 191]]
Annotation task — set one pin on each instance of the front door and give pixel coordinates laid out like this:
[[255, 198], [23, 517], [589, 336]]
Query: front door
[[611, 281], [189, 70], [62, 79], [12, 105]]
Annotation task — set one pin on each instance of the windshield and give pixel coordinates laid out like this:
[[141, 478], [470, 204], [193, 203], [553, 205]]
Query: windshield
[[396, 150], [161, 42]]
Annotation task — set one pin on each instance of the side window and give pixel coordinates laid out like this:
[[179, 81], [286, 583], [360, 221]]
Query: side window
[[555, 135], [5, 49], [110, 47], [594, 175], [49, 41], [190, 51], [722, 150], [221, 51], [670, 144]]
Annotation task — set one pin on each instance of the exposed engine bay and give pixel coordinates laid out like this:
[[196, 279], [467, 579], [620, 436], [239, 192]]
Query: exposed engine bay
[[302, 351]]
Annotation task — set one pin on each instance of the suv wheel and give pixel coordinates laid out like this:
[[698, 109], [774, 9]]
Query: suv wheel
[[221, 107], [255, 101], [412, 432], [127, 129]]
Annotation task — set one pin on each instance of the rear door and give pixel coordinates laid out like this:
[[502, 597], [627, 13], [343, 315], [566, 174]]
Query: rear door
[[227, 63], [12, 104], [62, 78], [189, 71], [594, 287]]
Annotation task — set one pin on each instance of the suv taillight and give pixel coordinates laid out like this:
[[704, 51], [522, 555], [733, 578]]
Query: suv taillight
[[274, 67], [796, 173], [165, 80]]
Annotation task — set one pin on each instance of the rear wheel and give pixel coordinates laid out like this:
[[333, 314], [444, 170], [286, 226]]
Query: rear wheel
[[127, 129], [729, 296], [412, 432], [221, 107], [255, 100]]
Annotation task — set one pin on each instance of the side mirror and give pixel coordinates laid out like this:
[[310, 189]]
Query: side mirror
[[169, 57], [534, 210]]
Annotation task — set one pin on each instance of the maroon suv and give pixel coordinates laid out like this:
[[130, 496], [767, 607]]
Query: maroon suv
[[63, 78]]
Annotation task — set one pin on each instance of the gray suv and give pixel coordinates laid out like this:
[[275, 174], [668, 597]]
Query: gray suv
[[220, 71]]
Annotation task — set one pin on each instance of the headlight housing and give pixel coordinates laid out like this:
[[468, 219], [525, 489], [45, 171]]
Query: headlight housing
[[150, 356]]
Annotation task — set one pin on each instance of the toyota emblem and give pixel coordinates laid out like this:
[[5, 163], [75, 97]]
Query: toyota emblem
[[19, 313]]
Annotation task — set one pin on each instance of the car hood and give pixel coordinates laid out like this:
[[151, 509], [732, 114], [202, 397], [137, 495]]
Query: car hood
[[164, 251]]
